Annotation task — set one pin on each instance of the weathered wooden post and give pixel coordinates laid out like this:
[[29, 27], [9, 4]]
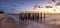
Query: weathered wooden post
[[44, 18], [41, 18]]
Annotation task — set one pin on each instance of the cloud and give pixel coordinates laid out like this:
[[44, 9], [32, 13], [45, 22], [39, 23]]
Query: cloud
[[53, 0], [57, 4], [48, 6], [50, 1], [35, 6], [39, 7]]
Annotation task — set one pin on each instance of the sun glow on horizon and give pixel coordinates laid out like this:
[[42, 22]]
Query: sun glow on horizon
[[44, 10]]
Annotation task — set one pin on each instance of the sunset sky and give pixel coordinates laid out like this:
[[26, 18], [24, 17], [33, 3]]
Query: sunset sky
[[15, 6]]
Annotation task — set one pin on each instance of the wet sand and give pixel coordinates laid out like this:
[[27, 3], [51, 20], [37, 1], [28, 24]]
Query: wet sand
[[51, 21], [9, 22]]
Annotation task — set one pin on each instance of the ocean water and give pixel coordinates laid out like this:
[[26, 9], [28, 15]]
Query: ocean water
[[48, 17], [15, 17]]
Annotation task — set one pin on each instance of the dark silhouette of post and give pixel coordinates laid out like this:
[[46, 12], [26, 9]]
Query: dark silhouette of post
[[44, 19], [41, 18], [44, 16]]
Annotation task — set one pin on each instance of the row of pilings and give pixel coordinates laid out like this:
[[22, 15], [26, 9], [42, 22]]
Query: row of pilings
[[39, 17]]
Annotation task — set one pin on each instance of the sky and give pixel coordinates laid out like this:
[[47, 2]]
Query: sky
[[15, 6]]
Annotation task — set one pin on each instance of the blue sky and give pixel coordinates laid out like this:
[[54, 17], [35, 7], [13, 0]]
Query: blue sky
[[19, 5]]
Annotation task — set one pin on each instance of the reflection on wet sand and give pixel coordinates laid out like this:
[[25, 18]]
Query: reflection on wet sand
[[50, 20], [31, 20]]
